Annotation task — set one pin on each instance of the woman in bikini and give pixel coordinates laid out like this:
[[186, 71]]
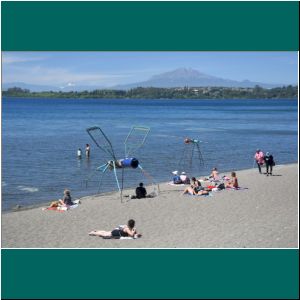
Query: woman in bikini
[[123, 231], [233, 182]]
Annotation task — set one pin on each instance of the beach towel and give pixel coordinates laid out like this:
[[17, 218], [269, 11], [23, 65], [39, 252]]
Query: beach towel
[[205, 195], [63, 208], [53, 208], [236, 189], [176, 184], [120, 238]]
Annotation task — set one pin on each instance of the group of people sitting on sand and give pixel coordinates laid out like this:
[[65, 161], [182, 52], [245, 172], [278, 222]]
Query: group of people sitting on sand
[[129, 231], [180, 179], [196, 187]]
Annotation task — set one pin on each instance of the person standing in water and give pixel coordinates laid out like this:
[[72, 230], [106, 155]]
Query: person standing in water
[[87, 151], [79, 153]]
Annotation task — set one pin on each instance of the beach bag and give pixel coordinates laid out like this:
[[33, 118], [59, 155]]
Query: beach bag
[[273, 164]]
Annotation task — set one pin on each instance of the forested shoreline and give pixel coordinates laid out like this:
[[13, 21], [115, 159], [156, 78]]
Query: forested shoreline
[[257, 92]]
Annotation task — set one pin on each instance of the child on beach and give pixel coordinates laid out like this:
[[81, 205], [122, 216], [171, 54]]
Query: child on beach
[[233, 182], [121, 231]]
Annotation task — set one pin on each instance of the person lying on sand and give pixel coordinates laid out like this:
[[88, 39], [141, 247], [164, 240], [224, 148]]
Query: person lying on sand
[[122, 231]]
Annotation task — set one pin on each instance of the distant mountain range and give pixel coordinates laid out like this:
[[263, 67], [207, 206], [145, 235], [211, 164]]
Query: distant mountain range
[[189, 77], [177, 78]]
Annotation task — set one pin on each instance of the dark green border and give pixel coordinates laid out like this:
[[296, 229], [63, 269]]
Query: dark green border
[[173, 274], [211, 26], [145, 26]]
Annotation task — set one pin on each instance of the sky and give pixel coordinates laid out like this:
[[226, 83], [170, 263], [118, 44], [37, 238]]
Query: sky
[[106, 69]]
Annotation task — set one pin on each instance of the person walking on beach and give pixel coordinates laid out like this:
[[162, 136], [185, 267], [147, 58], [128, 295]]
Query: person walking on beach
[[87, 151], [259, 158], [121, 231], [269, 163], [79, 153]]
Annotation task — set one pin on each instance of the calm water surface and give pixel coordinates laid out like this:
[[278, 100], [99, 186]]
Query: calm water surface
[[40, 138]]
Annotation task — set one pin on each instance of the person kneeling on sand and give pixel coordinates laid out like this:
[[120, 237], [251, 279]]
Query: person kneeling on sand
[[121, 231], [233, 182]]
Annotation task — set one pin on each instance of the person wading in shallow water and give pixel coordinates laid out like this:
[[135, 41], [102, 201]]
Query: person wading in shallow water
[[87, 151]]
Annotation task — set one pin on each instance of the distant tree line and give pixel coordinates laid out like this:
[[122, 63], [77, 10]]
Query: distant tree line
[[285, 92]]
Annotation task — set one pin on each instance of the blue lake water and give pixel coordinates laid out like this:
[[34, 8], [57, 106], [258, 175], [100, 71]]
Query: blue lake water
[[40, 138]]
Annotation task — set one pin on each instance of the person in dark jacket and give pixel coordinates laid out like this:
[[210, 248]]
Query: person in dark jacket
[[67, 200], [269, 160], [140, 191]]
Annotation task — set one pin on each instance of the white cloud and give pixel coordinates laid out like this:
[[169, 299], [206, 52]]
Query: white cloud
[[9, 58], [57, 76]]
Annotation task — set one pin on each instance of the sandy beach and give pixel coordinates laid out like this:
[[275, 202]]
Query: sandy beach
[[265, 215]]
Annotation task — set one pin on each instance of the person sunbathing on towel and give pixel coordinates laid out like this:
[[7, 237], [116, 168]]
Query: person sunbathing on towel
[[65, 202], [122, 231], [191, 191], [233, 182], [214, 174]]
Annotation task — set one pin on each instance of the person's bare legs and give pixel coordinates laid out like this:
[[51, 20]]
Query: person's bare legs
[[189, 190], [100, 233], [203, 192]]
